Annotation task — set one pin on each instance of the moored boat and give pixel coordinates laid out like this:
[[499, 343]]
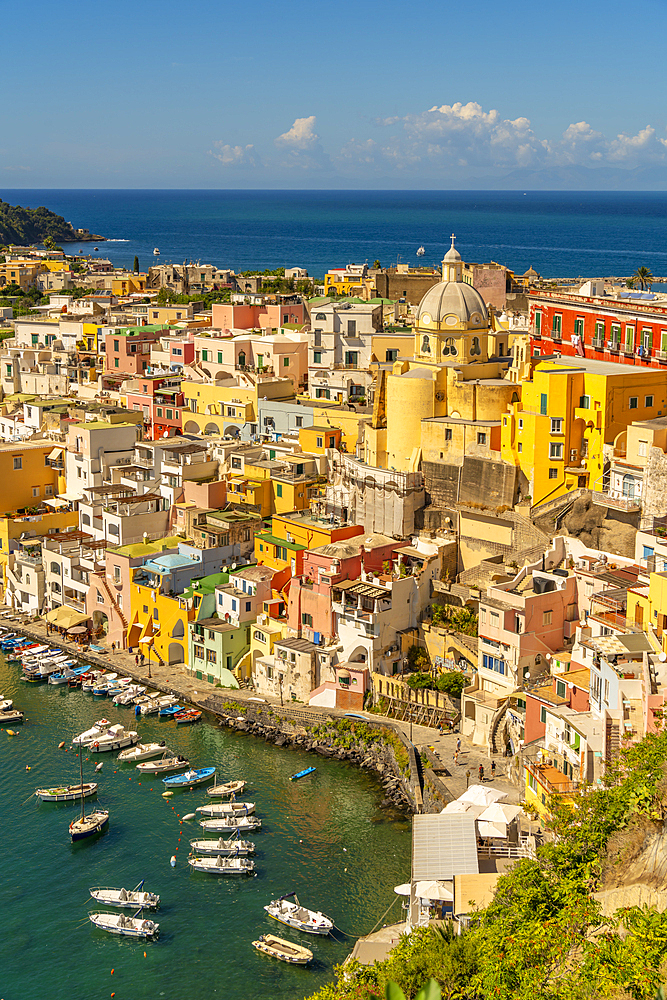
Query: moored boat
[[302, 774], [231, 848], [289, 911], [115, 738], [66, 793], [195, 776], [118, 923], [90, 735], [92, 824], [226, 789], [128, 898], [223, 866], [187, 717], [168, 710], [227, 809], [227, 824], [13, 715], [142, 751], [163, 766], [285, 951]]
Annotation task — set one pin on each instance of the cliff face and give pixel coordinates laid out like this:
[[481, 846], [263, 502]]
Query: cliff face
[[32, 225], [636, 870]]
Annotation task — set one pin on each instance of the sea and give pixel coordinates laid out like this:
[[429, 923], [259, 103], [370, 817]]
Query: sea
[[559, 233], [324, 837]]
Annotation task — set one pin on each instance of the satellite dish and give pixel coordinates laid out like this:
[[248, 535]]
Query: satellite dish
[[548, 656], [662, 657], [233, 565], [526, 672]]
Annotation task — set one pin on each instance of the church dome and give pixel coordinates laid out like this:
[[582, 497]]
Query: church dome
[[452, 304]]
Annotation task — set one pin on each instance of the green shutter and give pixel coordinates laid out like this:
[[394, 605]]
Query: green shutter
[[543, 404]]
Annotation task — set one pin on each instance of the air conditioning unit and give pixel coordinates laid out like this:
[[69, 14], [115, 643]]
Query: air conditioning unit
[[573, 454]]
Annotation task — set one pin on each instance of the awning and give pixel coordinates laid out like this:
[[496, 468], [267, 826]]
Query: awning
[[491, 830], [65, 617], [432, 889], [56, 502], [344, 675], [56, 453]]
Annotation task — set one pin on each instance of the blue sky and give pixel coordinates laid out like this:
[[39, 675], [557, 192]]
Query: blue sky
[[308, 95]]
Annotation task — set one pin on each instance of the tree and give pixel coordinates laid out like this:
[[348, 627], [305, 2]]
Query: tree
[[644, 276], [136, 265], [377, 266]]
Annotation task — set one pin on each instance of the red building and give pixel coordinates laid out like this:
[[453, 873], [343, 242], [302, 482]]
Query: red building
[[128, 351], [161, 399], [627, 327]]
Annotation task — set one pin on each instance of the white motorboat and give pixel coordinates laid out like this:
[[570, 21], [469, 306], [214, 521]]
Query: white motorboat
[[90, 735], [232, 848], [223, 824], [128, 694], [156, 252], [154, 705], [225, 790], [118, 923], [223, 866], [142, 751], [285, 951], [115, 738], [289, 911], [6, 704], [128, 898], [146, 696], [227, 809], [167, 764], [66, 793]]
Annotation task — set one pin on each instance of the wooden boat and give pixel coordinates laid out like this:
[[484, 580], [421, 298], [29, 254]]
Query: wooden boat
[[169, 710], [223, 866], [94, 822], [225, 790], [288, 910], [164, 765], [66, 793], [224, 824], [302, 774], [115, 738], [191, 778], [66, 675], [128, 898], [153, 706], [227, 809], [118, 923], [283, 950], [232, 848], [142, 751], [13, 716], [188, 717]]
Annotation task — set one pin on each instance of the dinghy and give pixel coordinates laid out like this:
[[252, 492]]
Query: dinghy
[[13, 715], [190, 778], [288, 910], [187, 717], [129, 898], [118, 923], [169, 710], [142, 751], [223, 866], [66, 793], [226, 824], [227, 809], [128, 694], [233, 848], [223, 791], [283, 950], [302, 774]]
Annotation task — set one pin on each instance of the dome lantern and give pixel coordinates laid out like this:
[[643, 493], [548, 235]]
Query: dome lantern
[[452, 266]]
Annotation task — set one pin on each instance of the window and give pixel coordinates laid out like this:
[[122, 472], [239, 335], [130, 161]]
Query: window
[[391, 355], [615, 336], [584, 402], [35, 491], [113, 529], [248, 606], [48, 491], [553, 473], [555, 449], [579, 326], [319, 442], [557, 325], [299, 421], [543, 714], [317, 357], [210, 656], [543, 404], [159, 411], [219, 357], [116, 346], [519, 448], [116, 574], [145, 609], [599, 331], [495, 619], [285, 362], [170, 414], [493, 663], [450, 349], [352, 358], [448, 434], [633, 402], [538, 324], [481, 438], [560, 689], [629, 338], [520, 423], [199, 652], [18, 462], [556, 425], [546, 617], [647, 338], [116, 363], [306, 619], [642, 448], [156, 614], [648, 402], [279, 489]]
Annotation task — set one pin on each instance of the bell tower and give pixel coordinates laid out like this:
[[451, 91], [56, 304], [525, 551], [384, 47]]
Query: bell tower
[[452, 266]]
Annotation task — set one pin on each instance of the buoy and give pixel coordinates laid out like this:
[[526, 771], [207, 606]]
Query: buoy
[[173, 861], [345, 869], [144, 954], [345, 849], [10, 732], [61, 744], [188, 816], [112, 972], [28, 768], [167, 795]]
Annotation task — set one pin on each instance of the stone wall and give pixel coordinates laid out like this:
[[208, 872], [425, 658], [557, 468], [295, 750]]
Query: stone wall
[[654, 500]]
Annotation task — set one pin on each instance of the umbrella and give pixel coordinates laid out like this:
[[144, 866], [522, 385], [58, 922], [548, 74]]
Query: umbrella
[[402, 890], [470, 808], [482, 796], [492, 830], [500, 813], [77, 630], [431, 889]]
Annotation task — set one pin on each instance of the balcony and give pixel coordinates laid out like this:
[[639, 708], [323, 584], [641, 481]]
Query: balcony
[[557, 336], [661, 355], [144, 463], [598, 343], [339, 366], [548, 778], [628, 350], [629, 504], [613, 346]]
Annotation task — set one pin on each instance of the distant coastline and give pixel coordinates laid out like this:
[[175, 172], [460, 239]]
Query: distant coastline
[[28, 226]]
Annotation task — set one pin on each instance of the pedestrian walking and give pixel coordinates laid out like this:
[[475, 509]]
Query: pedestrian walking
[[113, 647], [440, 730], [456, 757], [142, 658], [458, 743], [136, 660], [493, 769], [468, 778], [481, 772]]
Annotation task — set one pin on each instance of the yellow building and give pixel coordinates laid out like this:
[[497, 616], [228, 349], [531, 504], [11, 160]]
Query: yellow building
[[345, 280], [251, 491], [647, 608], [12, 526], [159, 621], [292, 533], [263, 634], [570, 409], [22, 273], [222, 407], [26, 475], [316, 439], [128, 284]]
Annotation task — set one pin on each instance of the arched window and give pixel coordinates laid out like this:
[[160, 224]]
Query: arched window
[[450, 349], [320, 316], [475, 349], [426, 345], [241, 357]]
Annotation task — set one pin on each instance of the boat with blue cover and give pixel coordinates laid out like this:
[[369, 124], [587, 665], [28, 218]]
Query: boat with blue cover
[[190, 778], [302, 774], [170, 710]]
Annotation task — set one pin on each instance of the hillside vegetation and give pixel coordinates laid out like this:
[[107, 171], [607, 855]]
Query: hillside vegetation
[[31, 225], [545, 936]]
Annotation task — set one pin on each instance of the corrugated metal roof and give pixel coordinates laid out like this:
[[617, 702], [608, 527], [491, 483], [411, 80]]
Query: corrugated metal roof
[[443, 846]]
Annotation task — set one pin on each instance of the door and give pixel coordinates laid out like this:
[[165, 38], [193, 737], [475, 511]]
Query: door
[[629, 487]]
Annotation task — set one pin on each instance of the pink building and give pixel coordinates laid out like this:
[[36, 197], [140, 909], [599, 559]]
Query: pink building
[[161, 399], [128, 351], [257, 317], [309, 610], [223, 354]]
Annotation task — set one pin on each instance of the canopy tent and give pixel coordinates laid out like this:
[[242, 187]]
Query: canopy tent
[[434, 889], [500, 813], [65, 617], [492, 830], [482, 796], [56, 502]]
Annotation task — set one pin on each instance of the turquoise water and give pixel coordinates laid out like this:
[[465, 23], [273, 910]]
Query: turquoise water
[[323, 837]]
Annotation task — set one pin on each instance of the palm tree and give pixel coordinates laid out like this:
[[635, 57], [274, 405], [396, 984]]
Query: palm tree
[[644, 276]]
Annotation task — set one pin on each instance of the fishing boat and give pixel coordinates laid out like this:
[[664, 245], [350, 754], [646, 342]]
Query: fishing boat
[[66, 675], [128, 898], [283, 950], [115, 738], [90, 735], [227, 789], [94, 822], [223, 866], [302, 774], [13, 716], [170, 710], [232, 848], [142, 751], [421, 251], [117, 923], [227, 824], [187, 717], [6, 704], [66, 793], [195, 776], [130, 692], [227, 809], [167, 763], [288, 910], [156, 252], [153, 706]]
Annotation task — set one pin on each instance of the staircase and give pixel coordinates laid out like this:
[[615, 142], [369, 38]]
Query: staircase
[[495, 725], [114, 602]]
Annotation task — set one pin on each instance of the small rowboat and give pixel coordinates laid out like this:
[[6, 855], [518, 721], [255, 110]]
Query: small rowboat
[[223, 866], [283, 950], [6, 704], [289, 911], [227, 809], [66, 793], [130, 898], [142, 751], [302, 774], [190, 778], [118, 923], [164, 765], [225, 824], [223, 791], [169, 710], [189, 716], [226, 848], [13, 716]]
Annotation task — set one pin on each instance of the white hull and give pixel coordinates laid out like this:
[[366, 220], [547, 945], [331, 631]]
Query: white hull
[[223, 791], [104, 746], [227, 809], [297, 916], [143, 751], [118, 923], [223, 866], [163, 766], [130, 899], [227, 824], [222, 848]]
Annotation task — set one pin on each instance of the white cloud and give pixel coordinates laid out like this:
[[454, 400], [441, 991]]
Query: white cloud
[[235, 156], [301, 135]]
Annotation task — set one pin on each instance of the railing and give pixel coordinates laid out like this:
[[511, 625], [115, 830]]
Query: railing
[[491, 850], [145, 463], [661, 355], [614, 346], [557, 336], [345, 367], [598, 343], [562, 788], [629, 504], [628, 349]]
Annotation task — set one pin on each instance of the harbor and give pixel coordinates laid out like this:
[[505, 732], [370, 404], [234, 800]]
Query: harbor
[[323, 836]]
